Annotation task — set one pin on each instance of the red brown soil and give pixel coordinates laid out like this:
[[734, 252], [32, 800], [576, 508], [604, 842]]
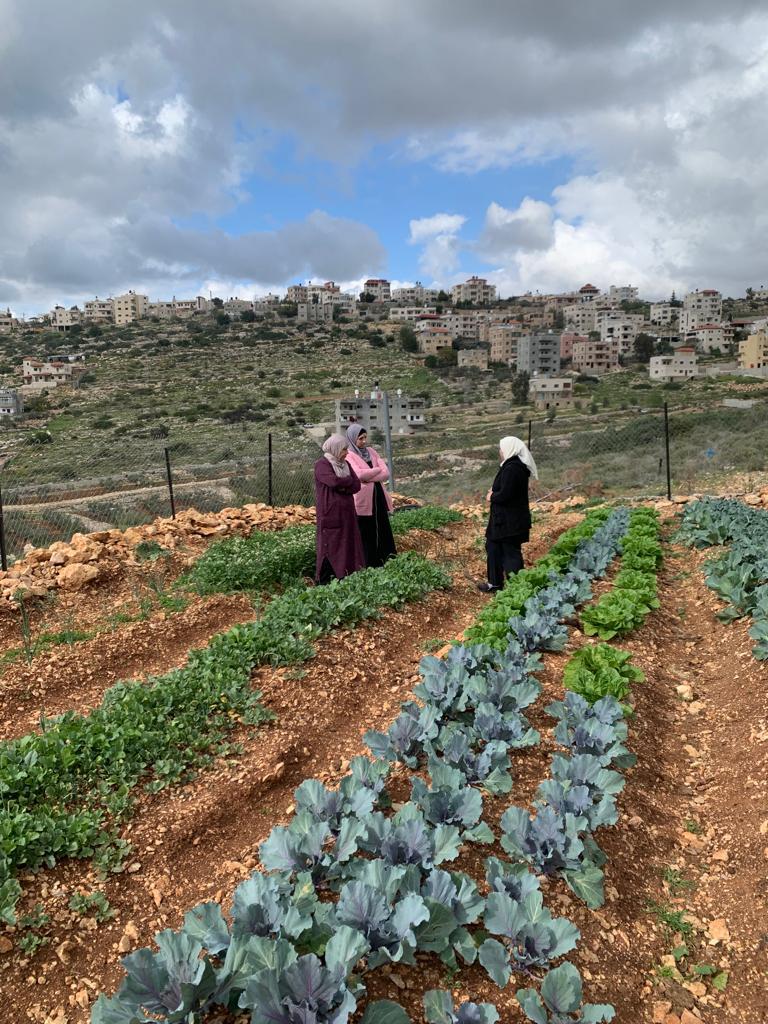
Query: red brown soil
[[196, 842]]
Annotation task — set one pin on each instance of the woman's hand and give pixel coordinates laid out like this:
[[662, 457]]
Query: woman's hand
[[488, 495]]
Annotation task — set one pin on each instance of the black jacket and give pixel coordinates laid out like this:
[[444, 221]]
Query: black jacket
[[510, 514]]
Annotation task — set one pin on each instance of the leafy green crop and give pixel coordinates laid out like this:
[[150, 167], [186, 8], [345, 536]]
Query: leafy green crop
[[599, 670], [59, 788], [268, 559]]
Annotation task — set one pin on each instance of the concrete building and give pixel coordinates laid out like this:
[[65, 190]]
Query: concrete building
[[99, 311], [42, 376], [475, 358], [433, 337], [236, 307], [567, 341], [315, 312], [475, 290], [753, 351], [379, 288], [410, 314], [707, 338], [663, 313], [551, 392], [296, 293], [595, 357], [622, 293], [63, 319], [681, 365], [414, 295], [700, 307], [621, 328], [581, 317], [129, 307], [503, 339], [462, 323], [11, 402], [539, 354], [8, 322], [405, 414]]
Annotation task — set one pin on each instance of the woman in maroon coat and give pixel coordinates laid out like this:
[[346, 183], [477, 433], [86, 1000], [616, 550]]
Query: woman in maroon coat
[[339, 549]]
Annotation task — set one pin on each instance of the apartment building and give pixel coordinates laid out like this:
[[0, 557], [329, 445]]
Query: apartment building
[[581, 317], [98, 311], [237, 306], [503, 339], [588, 293], [8, 321], [130, 307], [379, 288], [753, 351], [475, 290], [462, 323], [410, 314], [621, 328], [11, 402], [432, 337], [315, 312], [663, 313], [567, 341], [414, 295], [617, 294], [707, 338], [701, 307], [63, 319], [405, 414], [551, 392], [594, 356], [474, 358], [681, 365], [39, 375], [539, 354]]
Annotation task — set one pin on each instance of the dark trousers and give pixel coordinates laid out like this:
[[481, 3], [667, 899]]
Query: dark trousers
[[504, 559], [326, 573]]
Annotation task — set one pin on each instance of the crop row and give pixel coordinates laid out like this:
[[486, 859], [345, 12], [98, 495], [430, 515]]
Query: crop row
[[348, 886], [268, 559], [62, 790], [739, 576]]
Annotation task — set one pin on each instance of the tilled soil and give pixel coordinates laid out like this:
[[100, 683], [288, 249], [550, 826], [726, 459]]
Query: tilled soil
[[691, 837], [195, 842]]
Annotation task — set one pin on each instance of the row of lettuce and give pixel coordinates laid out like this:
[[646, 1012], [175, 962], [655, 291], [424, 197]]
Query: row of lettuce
[[739, 574], [353, 883], [65, 790]]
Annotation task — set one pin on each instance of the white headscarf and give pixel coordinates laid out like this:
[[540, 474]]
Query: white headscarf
[[332, 450], [510, 446]]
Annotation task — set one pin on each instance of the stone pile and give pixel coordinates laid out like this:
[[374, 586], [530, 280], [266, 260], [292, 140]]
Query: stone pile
[[87, 558]]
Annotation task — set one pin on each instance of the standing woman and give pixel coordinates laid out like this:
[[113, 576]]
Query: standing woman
[[509, 518], [372, 503], [339, 551]]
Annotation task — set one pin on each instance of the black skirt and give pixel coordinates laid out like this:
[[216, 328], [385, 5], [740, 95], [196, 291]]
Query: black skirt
[[376, 531]]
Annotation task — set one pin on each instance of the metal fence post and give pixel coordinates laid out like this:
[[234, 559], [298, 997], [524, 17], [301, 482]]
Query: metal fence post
[[388, 441], [3, 555], [170, 482], [269, 470], [530, 425], [666, 448]]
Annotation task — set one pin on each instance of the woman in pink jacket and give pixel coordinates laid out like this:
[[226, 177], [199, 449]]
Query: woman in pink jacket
[[372, 502]]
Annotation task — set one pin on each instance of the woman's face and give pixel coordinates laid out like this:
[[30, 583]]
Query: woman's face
[[501, 455], [343, 454], [362, 439]]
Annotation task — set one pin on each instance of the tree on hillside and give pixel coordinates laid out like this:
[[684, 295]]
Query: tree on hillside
[[248, 316], [443, 296], [520, 388], [408, 341], [644, 347], [218, 303], [222, 318], [367, 297]]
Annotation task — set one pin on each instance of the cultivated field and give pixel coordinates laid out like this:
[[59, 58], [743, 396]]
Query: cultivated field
[[572, 773]]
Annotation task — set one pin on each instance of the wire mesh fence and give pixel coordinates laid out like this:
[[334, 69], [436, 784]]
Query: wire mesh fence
[[54, 488]]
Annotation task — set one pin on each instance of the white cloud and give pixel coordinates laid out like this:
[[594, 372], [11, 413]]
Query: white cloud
[[439, 236]]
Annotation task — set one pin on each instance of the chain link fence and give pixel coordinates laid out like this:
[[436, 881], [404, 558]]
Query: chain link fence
[[52, 489]]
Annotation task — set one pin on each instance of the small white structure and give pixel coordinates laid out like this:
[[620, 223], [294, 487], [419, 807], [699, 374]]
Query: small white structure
[[551, 392], [681, 365], [476, 358]]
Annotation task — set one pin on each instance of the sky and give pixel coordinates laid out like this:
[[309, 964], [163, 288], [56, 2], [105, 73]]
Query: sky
[[182, 147]]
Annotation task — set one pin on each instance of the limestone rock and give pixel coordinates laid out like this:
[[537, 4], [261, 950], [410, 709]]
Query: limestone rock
[[76, 575]]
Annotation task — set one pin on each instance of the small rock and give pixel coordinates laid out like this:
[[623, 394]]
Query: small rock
[[686, 1017], [721, 855], [5, 944], [660, 1011], [717, 931]]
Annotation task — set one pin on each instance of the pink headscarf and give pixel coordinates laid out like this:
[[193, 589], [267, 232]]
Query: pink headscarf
[[332, 449]]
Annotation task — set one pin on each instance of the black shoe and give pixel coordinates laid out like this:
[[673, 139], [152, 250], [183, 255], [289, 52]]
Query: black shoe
[[486, 588]]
